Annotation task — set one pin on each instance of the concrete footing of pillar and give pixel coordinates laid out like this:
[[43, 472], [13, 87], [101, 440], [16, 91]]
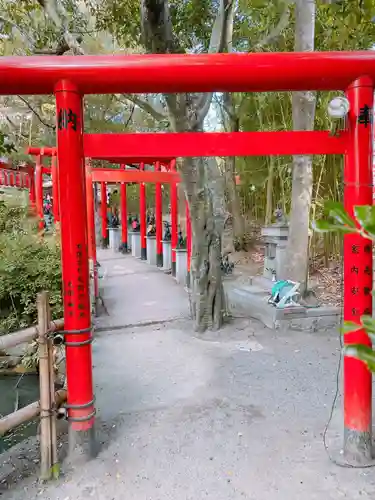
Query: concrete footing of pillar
[[151, 250], [167, 255], [136, 244], [181, 265]]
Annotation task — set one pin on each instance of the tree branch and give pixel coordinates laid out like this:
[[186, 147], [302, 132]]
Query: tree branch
[[278, 29], [15, 128], [56, 12], [145, 106], [60, 49], [53, 127], [19, 29]]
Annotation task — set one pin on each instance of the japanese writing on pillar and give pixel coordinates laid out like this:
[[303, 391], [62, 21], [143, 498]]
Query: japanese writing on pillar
[[365, 116], [69, 296], [81, 283], [356, 269], [67, 119]]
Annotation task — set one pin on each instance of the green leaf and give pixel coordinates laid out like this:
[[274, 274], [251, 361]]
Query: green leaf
[[337, 211], [368, 324], [366, 218], [362, 352], [350, 326], [324, 226]]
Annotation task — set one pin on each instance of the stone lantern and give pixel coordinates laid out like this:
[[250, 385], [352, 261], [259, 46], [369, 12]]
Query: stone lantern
[[275, 237]]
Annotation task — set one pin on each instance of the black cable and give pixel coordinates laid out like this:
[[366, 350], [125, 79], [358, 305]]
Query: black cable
[[343, 465]]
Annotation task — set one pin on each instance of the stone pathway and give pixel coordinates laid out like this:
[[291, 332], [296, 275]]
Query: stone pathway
[[237, 414]]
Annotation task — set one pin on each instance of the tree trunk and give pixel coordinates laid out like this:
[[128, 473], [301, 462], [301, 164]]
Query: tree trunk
[[234, 206], [204, 188], [303, 119]]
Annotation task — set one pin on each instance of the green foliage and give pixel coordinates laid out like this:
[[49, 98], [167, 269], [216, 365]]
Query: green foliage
[[28, 265], [6, 147], [364, 224]]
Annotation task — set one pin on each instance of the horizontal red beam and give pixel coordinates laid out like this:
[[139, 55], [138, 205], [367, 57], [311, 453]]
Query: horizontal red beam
[[52, 151], [117, 175], [136, 160], [191, 144], [34, 151], [168, 73]]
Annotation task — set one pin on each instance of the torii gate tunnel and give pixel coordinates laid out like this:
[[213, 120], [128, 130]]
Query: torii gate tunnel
[[69, 78]]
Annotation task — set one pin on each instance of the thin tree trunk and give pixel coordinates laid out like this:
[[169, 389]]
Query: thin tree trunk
[[234, 206], [303, 119], [269, 207]]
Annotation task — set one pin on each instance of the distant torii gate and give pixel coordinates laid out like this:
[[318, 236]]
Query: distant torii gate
[[21, 177], [39, 170], [69, 78], [108, 175]]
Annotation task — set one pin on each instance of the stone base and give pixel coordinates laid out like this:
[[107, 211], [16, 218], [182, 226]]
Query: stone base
[[136, 245], [83, 446], [159, 260], [251, 301], [181, 266], [167, 256], [357, 447], [114, 239], [188, 279], [104, 243], [151, 250], [129, 239], [124, 248]]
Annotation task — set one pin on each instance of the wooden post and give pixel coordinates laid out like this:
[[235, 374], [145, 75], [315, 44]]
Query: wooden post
[[44, 384], [55, 470]]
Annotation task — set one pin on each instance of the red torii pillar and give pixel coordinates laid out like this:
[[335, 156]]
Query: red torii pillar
[[39, 192], [142, 216], [358, 274], [124, 218], [104, 215], [158, 220], [90, 207], [32, 193], [174, 218], [75, 270], [55, 190]]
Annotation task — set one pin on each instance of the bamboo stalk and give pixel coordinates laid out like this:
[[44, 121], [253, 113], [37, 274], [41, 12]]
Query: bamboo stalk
[[54, 463], [27, 335], [44, 382], [27, 413]]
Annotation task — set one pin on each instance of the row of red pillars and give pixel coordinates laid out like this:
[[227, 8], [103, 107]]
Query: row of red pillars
[[143, 218]]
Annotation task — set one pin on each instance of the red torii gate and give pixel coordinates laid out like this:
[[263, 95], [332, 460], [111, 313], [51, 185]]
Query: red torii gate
[[69, 78], [39, 170], [141, 176], [21, 177]]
